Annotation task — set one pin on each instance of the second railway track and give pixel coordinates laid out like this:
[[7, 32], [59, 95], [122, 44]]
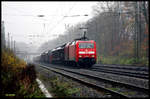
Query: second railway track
[[120, 71], [116, 88]]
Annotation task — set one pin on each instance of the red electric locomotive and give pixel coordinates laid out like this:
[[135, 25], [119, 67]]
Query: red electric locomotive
[[81, 52]]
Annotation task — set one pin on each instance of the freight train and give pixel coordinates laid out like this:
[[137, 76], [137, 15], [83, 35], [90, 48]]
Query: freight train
[[80, 52]]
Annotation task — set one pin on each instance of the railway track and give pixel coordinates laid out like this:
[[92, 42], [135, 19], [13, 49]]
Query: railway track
[[122, 78], [116, 88], [122, 71], [126, 67]]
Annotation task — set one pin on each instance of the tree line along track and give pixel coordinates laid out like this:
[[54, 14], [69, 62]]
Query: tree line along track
[[115, 88]]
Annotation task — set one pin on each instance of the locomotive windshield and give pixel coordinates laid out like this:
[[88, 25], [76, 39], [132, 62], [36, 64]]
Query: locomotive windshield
[[86, 45]]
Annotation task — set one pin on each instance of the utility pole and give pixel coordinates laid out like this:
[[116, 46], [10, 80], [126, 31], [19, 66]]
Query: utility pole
[[11, 42], [136, 33], [14, 47], [8, 41], [137, 15], [139, 29], [3, 42], [119, 25]]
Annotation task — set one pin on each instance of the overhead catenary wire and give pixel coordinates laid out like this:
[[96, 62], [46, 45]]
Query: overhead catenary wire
[[55, 24], [62, 18], [48, 15], [36, 15], [70, 9]]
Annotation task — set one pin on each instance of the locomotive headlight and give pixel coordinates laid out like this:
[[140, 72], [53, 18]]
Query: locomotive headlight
[[81, 52], [91, 52], [80, 56], [92, 55]]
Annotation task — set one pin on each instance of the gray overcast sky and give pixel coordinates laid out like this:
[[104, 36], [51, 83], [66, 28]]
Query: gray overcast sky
[[21, 19]]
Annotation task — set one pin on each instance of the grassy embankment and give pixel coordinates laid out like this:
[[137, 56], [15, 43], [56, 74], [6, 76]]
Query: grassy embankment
[[123, 61], [58, 86], [18, 78]]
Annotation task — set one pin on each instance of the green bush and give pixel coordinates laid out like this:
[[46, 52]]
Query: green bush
[[18, 78]]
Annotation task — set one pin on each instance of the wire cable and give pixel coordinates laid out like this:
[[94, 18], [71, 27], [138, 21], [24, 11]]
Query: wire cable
[[62, 18]]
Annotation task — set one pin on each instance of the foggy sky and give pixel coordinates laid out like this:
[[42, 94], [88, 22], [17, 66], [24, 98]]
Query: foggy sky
[[22, 22]]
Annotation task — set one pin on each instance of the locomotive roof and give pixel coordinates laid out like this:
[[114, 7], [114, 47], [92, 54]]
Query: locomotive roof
[[85, 41], [68, 43]]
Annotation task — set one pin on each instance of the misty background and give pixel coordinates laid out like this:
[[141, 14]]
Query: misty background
[[120, 30]]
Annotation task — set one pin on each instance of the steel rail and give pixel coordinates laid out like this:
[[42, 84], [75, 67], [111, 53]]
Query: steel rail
[[127, 67], [126, 73], [100, 78], [62, 72]]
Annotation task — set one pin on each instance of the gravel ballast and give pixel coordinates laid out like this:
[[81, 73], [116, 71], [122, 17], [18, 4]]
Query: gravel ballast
[[143, 83], [84, 91]]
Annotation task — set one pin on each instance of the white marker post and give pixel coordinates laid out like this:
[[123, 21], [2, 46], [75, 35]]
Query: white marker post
[[44, 90]]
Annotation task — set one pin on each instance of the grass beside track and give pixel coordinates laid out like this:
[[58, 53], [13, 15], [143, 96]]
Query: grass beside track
[[142, 61], [58, 87], [114, 89]]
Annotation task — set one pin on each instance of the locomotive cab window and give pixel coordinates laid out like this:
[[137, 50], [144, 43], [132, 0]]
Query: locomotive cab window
[[73, 43], [86, 45]]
